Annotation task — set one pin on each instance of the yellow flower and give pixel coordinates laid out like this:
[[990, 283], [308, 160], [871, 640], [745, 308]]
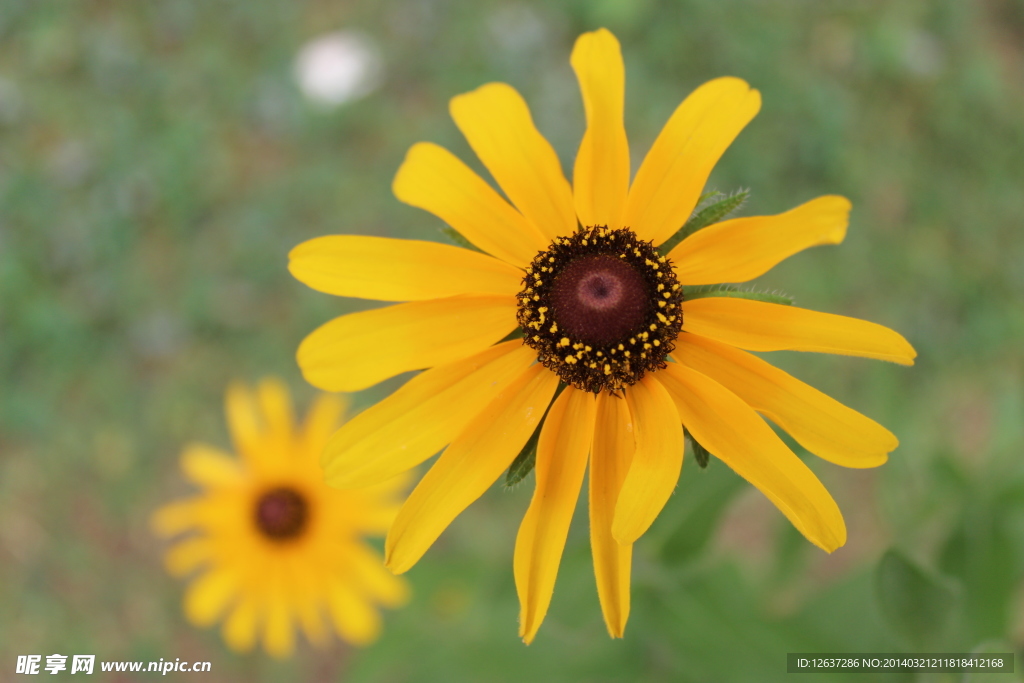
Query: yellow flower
[[576, 269], [274, 545]]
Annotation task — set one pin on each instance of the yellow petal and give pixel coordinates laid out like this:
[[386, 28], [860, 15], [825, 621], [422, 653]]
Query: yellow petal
[[673, 174], [378, 583], [741, 249], [306, 594], [239, 628], [434, 179], [312, 623], [562, 453], [601, 174], [208, 466], [398, 270], [373, 508], [244, 422], [735, 434], [321, 421], [175, 518], [373, 521], [657, 460], [208, 595], [498, 126], [421, 418], [609, 462], [278, 630], [278, 413], [354, 618], [358, 350], [818, 422], [389, 492], [469, 466], [761, 326], [188, 555]]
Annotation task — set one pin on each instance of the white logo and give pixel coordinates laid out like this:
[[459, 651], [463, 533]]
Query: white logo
[[83, 663], [28, 664], [55, 663]]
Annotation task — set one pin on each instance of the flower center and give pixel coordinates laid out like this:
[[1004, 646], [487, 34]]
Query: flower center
[[599, 299], [281, 514], [601, 308]]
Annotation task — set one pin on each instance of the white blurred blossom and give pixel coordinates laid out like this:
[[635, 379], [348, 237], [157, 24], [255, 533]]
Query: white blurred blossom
[[338, 67], [923, 54]]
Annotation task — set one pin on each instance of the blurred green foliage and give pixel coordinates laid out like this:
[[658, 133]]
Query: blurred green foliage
[[157, 162]]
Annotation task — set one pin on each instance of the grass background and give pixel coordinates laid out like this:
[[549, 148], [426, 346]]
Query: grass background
[[157, 162]]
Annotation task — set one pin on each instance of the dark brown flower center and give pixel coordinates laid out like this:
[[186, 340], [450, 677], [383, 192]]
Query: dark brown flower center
[[599, 299], [601, 308], [281, 514]]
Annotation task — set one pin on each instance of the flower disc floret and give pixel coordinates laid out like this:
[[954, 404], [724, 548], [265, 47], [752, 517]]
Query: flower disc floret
[[601, 308]]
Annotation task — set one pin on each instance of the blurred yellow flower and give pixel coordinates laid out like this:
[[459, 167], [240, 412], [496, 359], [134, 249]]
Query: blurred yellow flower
[[273, 545], [603, 312]]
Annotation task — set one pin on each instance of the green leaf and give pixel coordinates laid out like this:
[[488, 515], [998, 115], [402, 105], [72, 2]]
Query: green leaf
[[707, 197], [717, 211], [514, 334], [915, 603], [700, 453], [527, 458], [703, 291], [712, 213], [457, 238], [525, 461]]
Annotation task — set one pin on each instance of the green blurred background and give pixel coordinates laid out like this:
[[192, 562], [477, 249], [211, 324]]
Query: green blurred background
[[158, 161]]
